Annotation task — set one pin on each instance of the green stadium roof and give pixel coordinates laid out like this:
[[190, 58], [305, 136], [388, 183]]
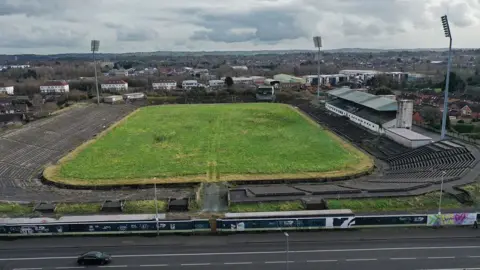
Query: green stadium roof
[[365, 99]]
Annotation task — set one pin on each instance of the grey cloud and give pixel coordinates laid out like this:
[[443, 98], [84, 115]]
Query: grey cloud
[[352, 28], [270, 26], [35, 8], [43, 37], [457, 14], [136, 34]]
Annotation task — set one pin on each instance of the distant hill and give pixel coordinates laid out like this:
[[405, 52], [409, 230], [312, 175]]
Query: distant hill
[[21, 58]]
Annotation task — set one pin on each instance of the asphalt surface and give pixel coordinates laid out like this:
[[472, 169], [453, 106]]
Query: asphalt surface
[[378, 249]]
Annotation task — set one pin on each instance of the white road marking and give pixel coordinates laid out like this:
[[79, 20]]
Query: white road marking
[[360, 260], [113, 266], [250, 253], [403, 258], [228, 263], [320, 261], [473, 256], [454, 269], [153, 265], [440, 258], [194, 264], [271, 262], [70, 267]]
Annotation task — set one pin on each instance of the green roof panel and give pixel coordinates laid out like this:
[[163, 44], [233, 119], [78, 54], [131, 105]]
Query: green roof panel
[[365, 99]]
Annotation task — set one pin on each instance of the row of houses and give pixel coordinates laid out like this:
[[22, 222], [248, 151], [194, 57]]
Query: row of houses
[[58, 87]]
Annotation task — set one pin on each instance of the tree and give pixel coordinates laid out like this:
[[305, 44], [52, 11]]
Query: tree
[[456, 83], [229, 82], [430, 115], [383, 90]]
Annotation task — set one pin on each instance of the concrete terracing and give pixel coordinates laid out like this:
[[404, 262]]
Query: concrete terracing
[[400, 171], [26, 151]]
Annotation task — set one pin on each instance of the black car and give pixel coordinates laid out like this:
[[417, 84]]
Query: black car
[[94, 257]]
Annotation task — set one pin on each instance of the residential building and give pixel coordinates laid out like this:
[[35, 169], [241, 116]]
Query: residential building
[[189, 84], [6, 90], [56, 87], [164, 85], [112, 85], [216, 83], [118, 72], [466, 111]]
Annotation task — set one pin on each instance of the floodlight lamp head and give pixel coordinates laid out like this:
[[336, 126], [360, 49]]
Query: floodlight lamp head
[[446, 26], [317, 41], [95, 45]]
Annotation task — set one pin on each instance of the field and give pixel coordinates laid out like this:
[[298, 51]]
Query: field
[[208, 143]]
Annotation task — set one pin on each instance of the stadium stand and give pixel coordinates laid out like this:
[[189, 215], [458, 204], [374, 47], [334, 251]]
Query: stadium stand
[[407, 172], [377, 145]]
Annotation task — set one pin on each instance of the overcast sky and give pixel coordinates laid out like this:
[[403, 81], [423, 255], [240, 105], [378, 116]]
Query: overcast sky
[[62, 26]]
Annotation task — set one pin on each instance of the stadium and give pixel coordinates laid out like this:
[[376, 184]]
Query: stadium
[[232, 154]]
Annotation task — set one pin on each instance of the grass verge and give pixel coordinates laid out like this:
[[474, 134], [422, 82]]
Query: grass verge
[[15, 209], [78, 208], [144, 207], [407, 204], [266, 207]]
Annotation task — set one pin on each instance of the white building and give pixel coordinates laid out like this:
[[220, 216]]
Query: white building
[[360, 74], [55, 87], [216, 83], [112, 99], [6, 90], [114, 86], [240, 68], [118, 73], [189, 84], [134, 96], [165, 85]]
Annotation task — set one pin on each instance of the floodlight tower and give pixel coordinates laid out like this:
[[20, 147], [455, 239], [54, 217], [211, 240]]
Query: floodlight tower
[[317, 41], [95, 45], [446, 29]]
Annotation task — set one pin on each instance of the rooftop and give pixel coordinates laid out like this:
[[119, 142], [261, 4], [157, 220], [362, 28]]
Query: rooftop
[[365, 99], [115, 82], [409, 134], [55, 83]]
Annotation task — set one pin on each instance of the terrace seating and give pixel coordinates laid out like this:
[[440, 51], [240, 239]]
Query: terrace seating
[[25, 151], [430, 163], [379, 146]]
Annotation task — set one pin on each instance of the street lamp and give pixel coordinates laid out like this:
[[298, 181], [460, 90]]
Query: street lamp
[[286, 236], [446, 29], [95, 45], [441, 193], [317, 41], [156, 206]]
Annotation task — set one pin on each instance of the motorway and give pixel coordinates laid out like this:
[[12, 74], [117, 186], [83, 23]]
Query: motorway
[[198, 253]]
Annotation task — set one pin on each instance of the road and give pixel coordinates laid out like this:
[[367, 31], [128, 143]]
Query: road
[[446, 251]]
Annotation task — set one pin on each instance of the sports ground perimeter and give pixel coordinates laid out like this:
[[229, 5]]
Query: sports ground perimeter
[[210, 143]]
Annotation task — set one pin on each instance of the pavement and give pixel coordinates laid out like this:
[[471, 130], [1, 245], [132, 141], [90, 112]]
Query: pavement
[[457, 248]]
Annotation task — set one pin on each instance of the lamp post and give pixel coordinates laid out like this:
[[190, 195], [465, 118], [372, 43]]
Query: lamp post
[[441, 193], [156, 207], [317, 41], [446, 29], [287, 250], [95, 45]]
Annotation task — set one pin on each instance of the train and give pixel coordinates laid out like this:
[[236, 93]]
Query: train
[[229, 223]]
